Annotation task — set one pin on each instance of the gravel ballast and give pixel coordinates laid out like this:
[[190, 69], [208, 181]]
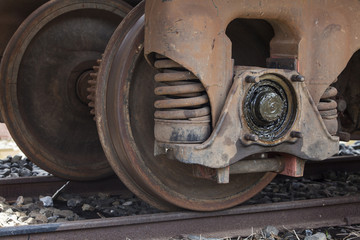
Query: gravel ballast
[[72, 207]]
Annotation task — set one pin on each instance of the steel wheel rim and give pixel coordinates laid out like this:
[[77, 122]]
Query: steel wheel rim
[[86, 160], [122, 138]]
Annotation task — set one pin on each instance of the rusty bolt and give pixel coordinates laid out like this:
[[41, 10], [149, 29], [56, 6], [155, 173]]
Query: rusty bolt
[[251, 137], [251, 79], [296, 134], [297, 78]]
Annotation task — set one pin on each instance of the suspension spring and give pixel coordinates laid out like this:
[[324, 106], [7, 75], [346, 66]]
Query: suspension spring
[[328, 109], [183, 104]]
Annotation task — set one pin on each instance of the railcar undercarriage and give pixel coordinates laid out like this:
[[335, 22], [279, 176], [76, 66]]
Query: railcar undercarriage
[[198, 104]]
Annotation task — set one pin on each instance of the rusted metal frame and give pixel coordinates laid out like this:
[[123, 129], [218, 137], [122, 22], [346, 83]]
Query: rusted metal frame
[[240, 221], [322, 35], [229, 143]]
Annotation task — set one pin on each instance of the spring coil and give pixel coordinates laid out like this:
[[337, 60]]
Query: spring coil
[[327, 105], [183, 95], [328, 110]]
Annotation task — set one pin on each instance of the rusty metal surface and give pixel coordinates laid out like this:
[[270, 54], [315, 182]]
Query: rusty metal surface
[[12, 188], [193, 34], [43, 65], [233, 138], [240, 221], [125, 85]]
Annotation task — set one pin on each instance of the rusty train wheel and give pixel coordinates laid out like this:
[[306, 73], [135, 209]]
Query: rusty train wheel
[[124, 113], [44, 75]]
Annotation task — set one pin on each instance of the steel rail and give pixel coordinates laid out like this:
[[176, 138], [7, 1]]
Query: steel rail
[[239, 221], [11, 188]]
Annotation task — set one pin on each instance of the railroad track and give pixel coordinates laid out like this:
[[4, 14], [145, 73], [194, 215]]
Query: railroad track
[[11, 188], [239, 221]]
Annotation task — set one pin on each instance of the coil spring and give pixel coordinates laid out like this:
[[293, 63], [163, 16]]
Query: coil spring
[[328, 106], [328, 110], [184, 96]]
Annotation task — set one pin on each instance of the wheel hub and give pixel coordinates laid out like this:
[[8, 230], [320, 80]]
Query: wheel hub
[[267, 109], [82, 85]]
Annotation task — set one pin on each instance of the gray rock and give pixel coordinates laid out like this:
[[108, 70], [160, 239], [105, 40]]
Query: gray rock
[[30, 221], [64, 213], [40, 218], [87, 207], [13, 175], [16, 159], [103, 195], [28, 200], [308, 232], [317, 236], [5, 172], [270, 231], [74, 202], [9, 211], [12, 218], [47, 212], [23, 219], [41, 173], [32, 206], [24, 172], [4, 165], [3, 206], [14, 167], [128, 203], [28, 166], [74, 217], [17, 214], [19, 201], [47, 201], [52, 219]]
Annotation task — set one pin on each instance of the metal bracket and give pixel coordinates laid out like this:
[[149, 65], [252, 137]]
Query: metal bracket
[[307, 138]]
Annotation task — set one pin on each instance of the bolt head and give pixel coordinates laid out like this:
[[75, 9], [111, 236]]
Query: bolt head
[[251, 137], [296, 134], [298, 78], [251, 79]]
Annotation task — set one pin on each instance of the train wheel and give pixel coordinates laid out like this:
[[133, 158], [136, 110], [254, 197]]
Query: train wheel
[[124, 114], [44, 75]]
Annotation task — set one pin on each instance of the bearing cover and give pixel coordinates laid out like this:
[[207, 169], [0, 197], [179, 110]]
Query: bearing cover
[[270, 107]]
